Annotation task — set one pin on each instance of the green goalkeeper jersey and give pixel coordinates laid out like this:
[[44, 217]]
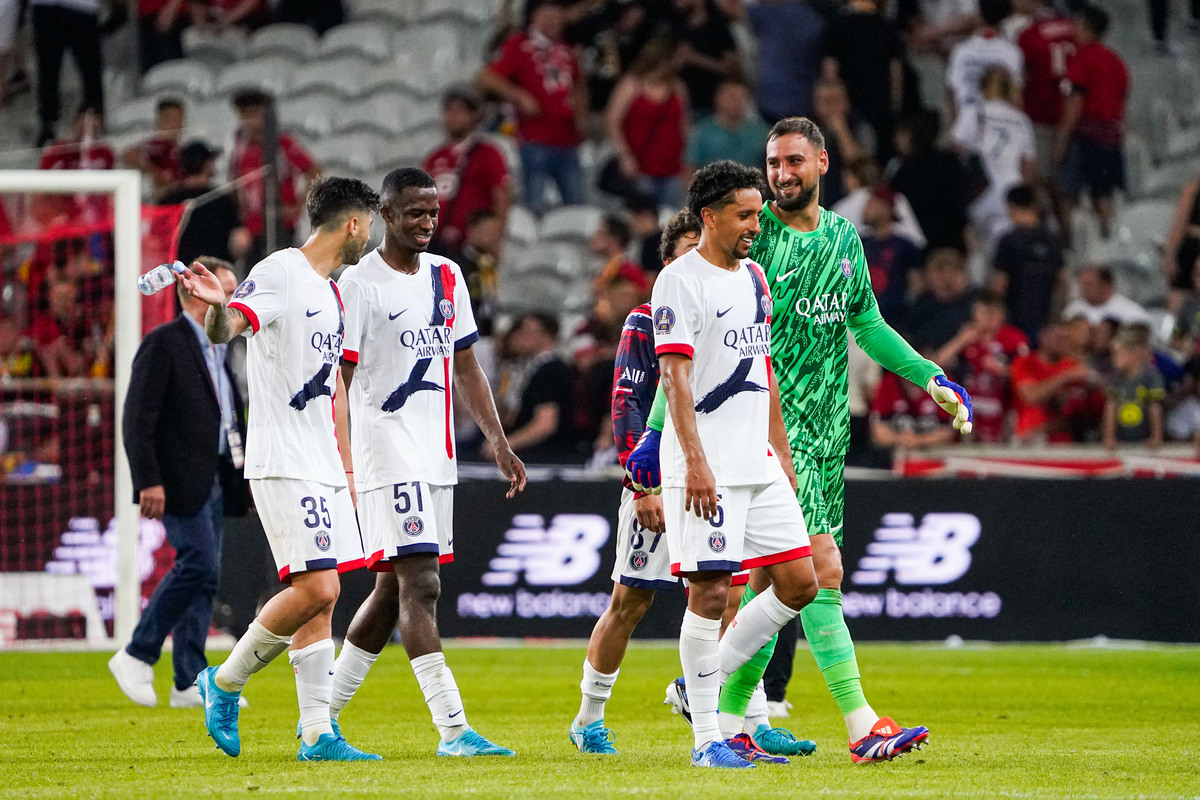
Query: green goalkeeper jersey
[[821, 286]]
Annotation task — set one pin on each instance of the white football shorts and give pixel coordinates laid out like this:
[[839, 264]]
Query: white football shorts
[[404, 519], [643, 561], [310, 526]]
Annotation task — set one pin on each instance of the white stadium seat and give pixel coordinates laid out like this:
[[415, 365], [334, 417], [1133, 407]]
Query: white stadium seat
[[341, 75], [185, 76], [287, 39], [379, 112], [272, 74], [311, 113], [356, 153], [369, 39], [214, 47], [435, 47], [522, 225], [136, 114], [392, 12], [570, 222]]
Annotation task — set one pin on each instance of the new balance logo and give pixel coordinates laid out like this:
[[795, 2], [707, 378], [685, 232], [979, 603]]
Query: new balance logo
[[564, 553], [936, 552]]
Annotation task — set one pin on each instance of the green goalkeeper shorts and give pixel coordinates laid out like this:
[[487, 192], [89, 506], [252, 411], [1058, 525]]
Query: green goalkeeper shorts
[[821, 490]]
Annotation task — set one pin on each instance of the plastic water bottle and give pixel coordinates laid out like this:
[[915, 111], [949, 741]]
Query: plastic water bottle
[[160, 277]]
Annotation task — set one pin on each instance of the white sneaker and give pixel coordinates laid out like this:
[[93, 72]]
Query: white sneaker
[[190, 698], [778, 708], [134, 677]]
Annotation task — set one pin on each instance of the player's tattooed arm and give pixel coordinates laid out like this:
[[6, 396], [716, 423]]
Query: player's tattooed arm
[[700, 485], [777, 433], [220, 323]]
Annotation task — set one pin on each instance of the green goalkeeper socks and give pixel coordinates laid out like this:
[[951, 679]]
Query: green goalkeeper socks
[[735, 694], [833, 650]]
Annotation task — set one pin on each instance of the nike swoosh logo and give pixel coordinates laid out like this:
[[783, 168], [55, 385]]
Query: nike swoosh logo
[[455, 714], [260, 658], [396, 315], [784, 276], [330, 672], [312, 313], [723, 313], [706, 674]]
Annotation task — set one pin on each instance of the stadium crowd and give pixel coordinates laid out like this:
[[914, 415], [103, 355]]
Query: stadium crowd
[[966, 211]]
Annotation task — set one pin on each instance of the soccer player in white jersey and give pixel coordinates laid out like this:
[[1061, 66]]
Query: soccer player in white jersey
[[297, 322], [728, 481], [408, 347]]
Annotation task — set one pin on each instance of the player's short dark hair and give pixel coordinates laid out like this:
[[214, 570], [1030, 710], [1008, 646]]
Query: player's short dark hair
[[547, 321], [168, 102], [682, 223], [396, 181], [714, 185], [798, 126], [991, 299], [1021, 196], [616, 226], [993, 12], [251, 98], [1135, 334], [1095, 18], [332, 199]]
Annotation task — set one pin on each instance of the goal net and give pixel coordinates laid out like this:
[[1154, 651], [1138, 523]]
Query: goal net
[[76, 561]]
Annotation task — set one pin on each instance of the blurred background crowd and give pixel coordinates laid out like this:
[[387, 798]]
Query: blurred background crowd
[[1021, 175]]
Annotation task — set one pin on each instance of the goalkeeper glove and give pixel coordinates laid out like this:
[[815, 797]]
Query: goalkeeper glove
[[954, 400], [642, 464]]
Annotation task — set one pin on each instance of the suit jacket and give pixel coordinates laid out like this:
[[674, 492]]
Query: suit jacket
[[172, 421]]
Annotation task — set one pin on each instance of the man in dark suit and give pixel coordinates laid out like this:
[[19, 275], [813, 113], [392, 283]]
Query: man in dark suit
[[184, 424]]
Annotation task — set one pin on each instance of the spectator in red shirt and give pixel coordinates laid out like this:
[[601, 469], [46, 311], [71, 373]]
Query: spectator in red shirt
[[539, 74], [985, 349], [158, 156], [81, 150], [297, 169], [61, 333], [904, 417], [470, 171], [1046, 45], [1053, 391], [1092, 127], [646, 120], [160, 31], [610, 240]]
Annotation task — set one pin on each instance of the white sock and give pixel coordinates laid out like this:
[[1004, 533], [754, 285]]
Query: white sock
[[701, 662], [257, 648], [596, 688], [728, 724], [313, 666], [441, 695], [860, 721], [755, 624], [349, 672], [756, 712]]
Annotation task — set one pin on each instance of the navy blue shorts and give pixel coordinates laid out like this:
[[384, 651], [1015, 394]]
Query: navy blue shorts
[[1095, 166]]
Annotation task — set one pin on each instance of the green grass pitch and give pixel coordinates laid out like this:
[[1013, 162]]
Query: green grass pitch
[[1012, 722]]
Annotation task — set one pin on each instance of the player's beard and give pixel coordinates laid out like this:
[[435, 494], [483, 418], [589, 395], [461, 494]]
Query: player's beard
[[800, 200], [353, 250]]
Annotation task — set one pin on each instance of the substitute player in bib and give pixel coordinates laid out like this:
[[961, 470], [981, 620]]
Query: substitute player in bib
[[408, 347], [643, 565], [814, 262], [729, 494], [293, 460]]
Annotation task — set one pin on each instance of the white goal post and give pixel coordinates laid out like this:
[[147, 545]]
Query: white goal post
[[125, 186]]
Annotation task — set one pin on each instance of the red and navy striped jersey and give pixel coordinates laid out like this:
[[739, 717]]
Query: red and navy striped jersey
[[635, 379]]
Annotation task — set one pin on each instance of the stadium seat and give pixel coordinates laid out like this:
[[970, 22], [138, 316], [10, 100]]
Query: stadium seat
[[435, 46], [132, 115], [185, 76], [380, 112], [409, 150], [214, 47], [532, 292], [389, 12], [1149, 220], [557, 258], [1171, 139], [480, 12], [1145, 178], [369, 39], [214, 121], [352, 153], [271, 74], [522, 225], [569, 222], [312, 114], [343, 76], [287, 39]]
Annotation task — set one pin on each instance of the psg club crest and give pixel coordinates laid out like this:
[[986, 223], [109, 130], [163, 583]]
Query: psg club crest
[[446, 308], [664, 320], [413, 526], [323, 541], [716, 541], [245, 290], [638, 560], [847, 267], [765, 302]]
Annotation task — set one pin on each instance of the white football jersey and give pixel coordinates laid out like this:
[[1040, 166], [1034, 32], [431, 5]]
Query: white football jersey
[[296, 327], [972, 57], [403, 332], [722, 321]]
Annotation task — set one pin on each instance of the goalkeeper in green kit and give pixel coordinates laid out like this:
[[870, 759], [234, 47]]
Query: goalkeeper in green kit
[[820, 286]]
